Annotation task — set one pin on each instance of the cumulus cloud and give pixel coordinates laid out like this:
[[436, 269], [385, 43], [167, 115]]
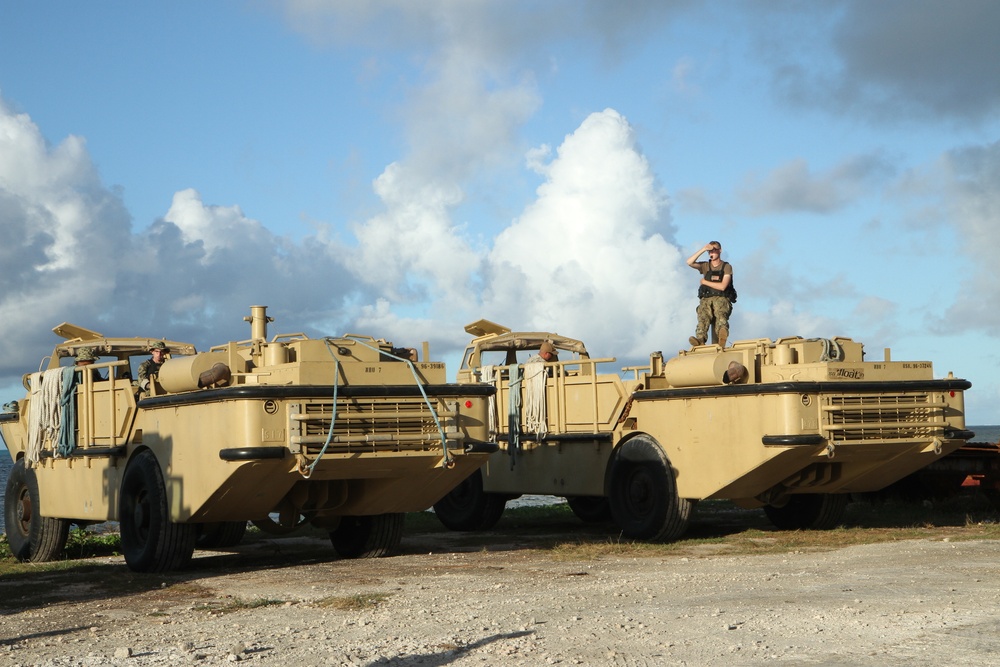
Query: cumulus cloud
[[592, 257], [69, 254], [477, 89], [413, 251], [217, 228], [60, 229]]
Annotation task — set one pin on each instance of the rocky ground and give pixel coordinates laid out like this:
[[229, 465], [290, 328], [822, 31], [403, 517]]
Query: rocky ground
[[446, 601]]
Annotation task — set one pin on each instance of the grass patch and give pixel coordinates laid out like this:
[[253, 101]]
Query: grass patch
[[237, 604], [358, 602], [720, 527], [83, 543], [717, 527]]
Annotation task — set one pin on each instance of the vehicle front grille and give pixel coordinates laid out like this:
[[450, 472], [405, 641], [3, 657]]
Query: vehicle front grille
[[868, 417], [370, 426]]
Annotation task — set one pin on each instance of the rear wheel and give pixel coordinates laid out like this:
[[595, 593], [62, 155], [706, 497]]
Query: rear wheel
[[31, 536], [468, 507], [643, 492], [811, 511], [221, 534], [368, 536], [590, 509], [151, 542]]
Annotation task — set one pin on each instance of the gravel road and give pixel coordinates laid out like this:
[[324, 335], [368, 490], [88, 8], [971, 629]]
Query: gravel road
[[923, 602]]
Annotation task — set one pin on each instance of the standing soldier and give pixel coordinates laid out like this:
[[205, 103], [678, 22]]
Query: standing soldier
[[715, 294], [150, 367]]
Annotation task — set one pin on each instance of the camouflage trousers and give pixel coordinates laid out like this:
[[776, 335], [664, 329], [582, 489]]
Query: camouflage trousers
[[713, 310]]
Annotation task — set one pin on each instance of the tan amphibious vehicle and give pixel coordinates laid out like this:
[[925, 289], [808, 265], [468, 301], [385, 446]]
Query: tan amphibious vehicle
[[344, 433], [793, 425]]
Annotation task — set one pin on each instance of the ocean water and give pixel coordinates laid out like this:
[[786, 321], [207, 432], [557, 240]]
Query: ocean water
[[983, 434]]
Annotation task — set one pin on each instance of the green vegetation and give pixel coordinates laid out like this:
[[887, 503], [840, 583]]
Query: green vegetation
[[87, 544]]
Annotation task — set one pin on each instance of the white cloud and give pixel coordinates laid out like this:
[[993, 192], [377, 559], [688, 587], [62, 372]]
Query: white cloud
[[61, 232], [413, 251], [592, 256], [69, 254], [215, 227]]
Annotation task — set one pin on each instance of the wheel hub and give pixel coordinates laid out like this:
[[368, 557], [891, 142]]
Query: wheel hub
[[639, 491], [24, 510]]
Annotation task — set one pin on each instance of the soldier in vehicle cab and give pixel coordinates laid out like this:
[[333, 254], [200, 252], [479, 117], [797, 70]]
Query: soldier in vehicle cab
[[151, 366], [85, 357]]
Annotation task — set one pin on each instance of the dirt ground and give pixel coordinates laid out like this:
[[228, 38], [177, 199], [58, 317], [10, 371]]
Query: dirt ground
[[448, 601]]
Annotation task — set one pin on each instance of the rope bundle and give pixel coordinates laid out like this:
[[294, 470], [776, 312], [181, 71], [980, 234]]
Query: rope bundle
[[534, 399], [44, 415]]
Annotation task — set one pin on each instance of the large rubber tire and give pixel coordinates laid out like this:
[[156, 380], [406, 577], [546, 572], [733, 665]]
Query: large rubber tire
[[643, 492], [468, 507], [368, 536], [590, 509], [151, 542], [220, 535], [812, 511], [31, 536]]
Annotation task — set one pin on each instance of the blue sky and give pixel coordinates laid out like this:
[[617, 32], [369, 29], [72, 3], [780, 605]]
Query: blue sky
[[401, 169]]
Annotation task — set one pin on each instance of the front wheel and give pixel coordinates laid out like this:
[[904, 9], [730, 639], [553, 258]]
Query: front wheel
[[368, 536], [468, 507], [810, 511], [151, 542], [31, 536], [643, 492]]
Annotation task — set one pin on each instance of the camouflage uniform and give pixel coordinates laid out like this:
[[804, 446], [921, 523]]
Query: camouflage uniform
[[150, 367], [147, 368], [714, 309]]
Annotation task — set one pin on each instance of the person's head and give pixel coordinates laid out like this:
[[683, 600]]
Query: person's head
[[548, 352], [159, 350], [714, 248], [85, 356]]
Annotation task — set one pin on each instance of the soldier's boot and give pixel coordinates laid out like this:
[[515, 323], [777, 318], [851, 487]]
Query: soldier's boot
[[723, 335], [695, 342]]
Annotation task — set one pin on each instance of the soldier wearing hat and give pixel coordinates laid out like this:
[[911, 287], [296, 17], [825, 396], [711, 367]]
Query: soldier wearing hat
[[151, 366], [547, 352], [85, 357]]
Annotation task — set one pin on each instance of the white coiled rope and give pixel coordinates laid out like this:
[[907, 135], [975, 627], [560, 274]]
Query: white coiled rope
[[44, 416], [534, 399], [488, 375]]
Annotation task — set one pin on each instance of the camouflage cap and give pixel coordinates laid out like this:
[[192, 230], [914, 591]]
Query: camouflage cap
[[159, 345], [85, 354], [548, 347]]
